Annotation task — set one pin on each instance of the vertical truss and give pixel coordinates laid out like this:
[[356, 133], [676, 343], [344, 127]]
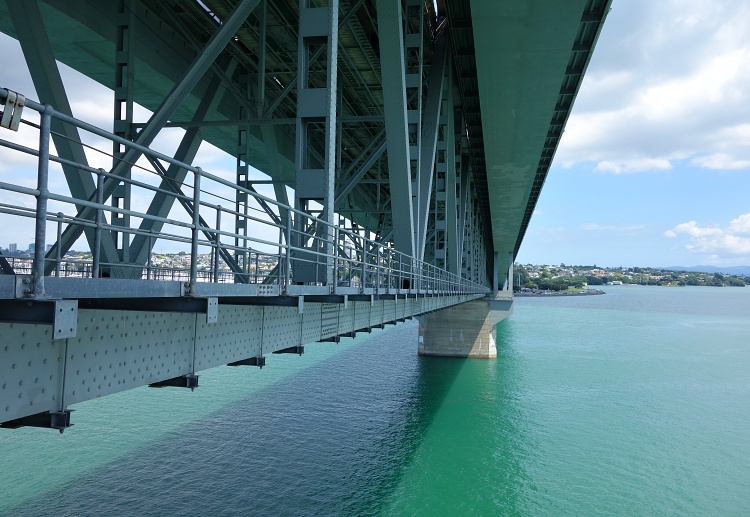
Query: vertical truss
[[316, 122], [394, 56], [123, 118]]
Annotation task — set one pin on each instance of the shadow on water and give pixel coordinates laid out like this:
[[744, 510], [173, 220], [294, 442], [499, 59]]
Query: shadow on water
[[509, 442], [470, 459], [334, 439]]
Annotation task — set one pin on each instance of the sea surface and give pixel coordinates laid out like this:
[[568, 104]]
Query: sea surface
[[636, 402]]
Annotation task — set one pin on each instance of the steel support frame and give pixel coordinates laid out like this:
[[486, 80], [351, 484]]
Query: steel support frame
[[318, 27], [393, 70], [161, 203], [241, 253], [45, 75], [414, 70], [445, 174], [268, 130], [123, 118], [453, 157], [429, 139], [353, 176], [166, 109], [189, 207]]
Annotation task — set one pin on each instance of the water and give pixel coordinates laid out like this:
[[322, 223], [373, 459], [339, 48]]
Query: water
[[632, 403]]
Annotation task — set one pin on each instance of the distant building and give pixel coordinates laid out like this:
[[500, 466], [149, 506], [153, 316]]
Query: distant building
[[13, 247]]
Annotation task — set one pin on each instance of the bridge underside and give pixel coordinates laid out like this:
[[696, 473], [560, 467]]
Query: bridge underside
[[124, 346], [401, 146]]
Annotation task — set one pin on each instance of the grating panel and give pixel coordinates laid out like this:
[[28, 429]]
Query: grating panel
[[30, 370], [311, 323], [281, 328], [377, 313], [346, 318], [329, 320], [116, 351], [235, 336], [361, 315]]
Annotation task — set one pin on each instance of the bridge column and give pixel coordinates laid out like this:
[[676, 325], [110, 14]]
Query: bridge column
[[465, 330], [123, 119], [316, 122], [398, 106]]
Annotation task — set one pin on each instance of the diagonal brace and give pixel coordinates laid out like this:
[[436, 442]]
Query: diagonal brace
[[181, 89]]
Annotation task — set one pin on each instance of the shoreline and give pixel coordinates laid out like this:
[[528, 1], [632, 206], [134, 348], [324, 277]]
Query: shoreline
[[543, 294]]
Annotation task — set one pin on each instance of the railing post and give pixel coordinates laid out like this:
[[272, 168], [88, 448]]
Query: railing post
[[196, 231], [40, 232], [58, 257], [96, 252], [335, 261], [149, 261], [363, 281], [279, 273], [390, 263], [377, 270], [288, 261], [217, 243], [400, 273]]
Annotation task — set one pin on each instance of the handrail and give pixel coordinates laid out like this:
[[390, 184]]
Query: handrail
[[302, 249]]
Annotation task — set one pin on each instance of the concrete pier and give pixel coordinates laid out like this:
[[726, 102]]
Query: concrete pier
[[465, 330]]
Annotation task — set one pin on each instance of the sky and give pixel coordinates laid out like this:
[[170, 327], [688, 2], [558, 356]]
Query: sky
[[653, 168]]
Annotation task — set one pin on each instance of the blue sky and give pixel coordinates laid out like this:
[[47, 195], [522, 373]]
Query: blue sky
[[654, 166]]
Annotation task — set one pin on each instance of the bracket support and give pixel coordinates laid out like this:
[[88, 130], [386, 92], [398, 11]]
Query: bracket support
[[14, 104]]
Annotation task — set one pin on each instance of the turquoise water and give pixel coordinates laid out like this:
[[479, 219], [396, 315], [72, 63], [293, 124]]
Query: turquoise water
[[636, 402]]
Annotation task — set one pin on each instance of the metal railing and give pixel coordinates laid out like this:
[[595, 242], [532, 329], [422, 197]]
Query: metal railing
[[301, 249]]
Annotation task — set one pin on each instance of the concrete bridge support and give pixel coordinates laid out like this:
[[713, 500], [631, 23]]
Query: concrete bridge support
[[466, 330]]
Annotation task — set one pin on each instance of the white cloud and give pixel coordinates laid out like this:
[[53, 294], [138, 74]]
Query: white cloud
[[715, 240], [636, 165], [668, 81], [720, 161], [594, 227], [740, 226]]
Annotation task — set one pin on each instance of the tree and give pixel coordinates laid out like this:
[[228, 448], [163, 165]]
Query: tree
[[735, 281]]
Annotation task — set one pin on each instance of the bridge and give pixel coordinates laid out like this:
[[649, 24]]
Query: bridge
[[386, 157]]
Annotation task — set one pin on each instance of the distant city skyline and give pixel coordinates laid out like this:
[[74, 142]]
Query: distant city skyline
[[653, 169]]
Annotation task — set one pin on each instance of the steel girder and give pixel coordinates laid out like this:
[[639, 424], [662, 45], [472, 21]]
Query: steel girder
[[393, 70], [429, 140], [453, 158]]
